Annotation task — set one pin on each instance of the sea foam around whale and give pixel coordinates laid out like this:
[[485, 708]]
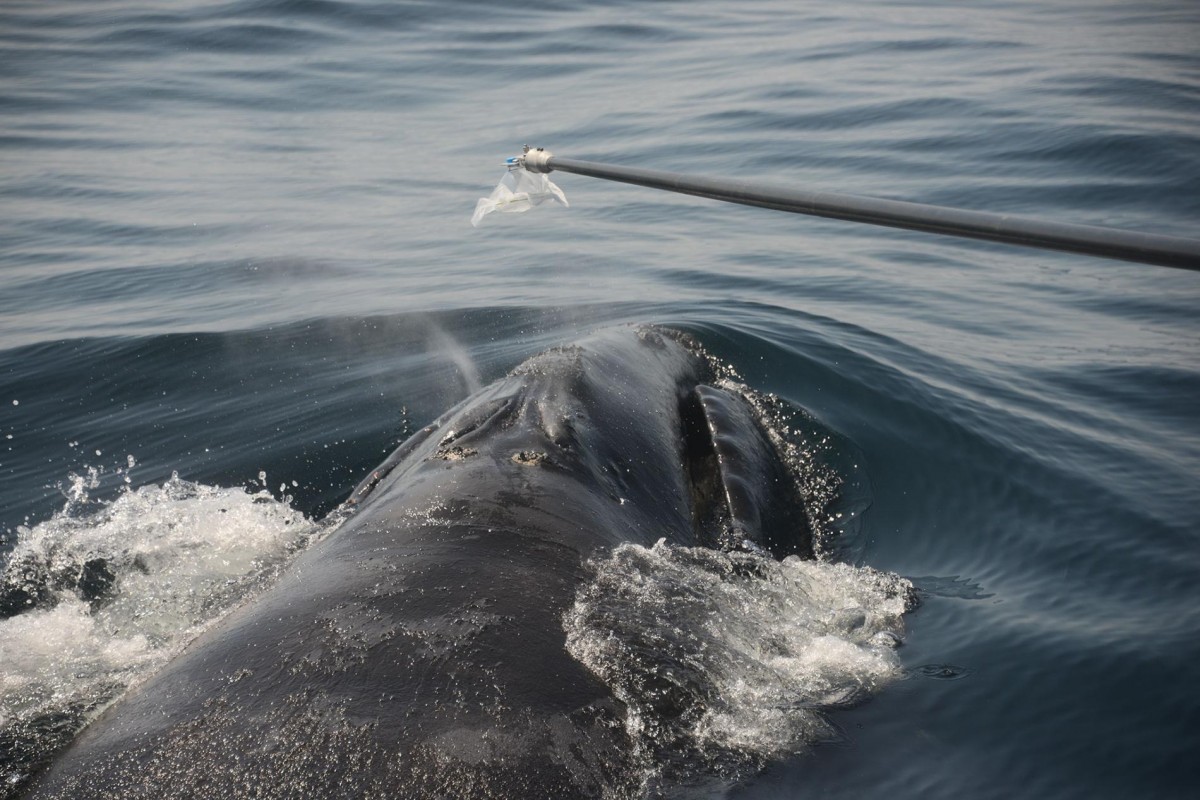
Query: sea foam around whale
[[180, 554]]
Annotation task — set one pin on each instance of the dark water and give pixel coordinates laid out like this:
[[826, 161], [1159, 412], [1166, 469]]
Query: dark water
[[234, 240]]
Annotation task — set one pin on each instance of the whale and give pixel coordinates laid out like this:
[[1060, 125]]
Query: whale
[[417, 649]]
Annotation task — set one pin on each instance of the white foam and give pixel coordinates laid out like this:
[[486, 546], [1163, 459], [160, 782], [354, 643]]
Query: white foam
[[732, 658], [59, 656], [182, 554]]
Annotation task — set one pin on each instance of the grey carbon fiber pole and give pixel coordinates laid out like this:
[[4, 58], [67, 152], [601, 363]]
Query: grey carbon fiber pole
[[1145, 248]]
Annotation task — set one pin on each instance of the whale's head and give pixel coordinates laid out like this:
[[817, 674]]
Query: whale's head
[[630, 435]]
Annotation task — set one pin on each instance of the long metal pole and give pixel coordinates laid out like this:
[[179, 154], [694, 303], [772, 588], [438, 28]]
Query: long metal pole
[[1145, 248]]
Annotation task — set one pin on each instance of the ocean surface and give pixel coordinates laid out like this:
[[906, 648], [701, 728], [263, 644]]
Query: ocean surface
[[237, 269]]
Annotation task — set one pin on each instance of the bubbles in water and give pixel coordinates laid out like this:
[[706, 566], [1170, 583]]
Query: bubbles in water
[[727, 659]]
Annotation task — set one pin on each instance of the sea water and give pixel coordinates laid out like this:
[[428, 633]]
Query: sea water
[[237, 268]]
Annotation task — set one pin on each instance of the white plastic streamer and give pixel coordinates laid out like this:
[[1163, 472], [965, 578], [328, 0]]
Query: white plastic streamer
[[519, 190]]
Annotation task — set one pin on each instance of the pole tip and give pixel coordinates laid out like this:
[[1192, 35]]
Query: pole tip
[[537, 159]]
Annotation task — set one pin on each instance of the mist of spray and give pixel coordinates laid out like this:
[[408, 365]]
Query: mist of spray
[[450, 348]]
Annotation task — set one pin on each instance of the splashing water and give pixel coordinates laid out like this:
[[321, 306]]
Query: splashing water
[[725, 660], [94, 599]]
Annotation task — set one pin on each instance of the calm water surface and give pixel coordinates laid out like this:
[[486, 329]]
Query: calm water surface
[[234, 240]]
